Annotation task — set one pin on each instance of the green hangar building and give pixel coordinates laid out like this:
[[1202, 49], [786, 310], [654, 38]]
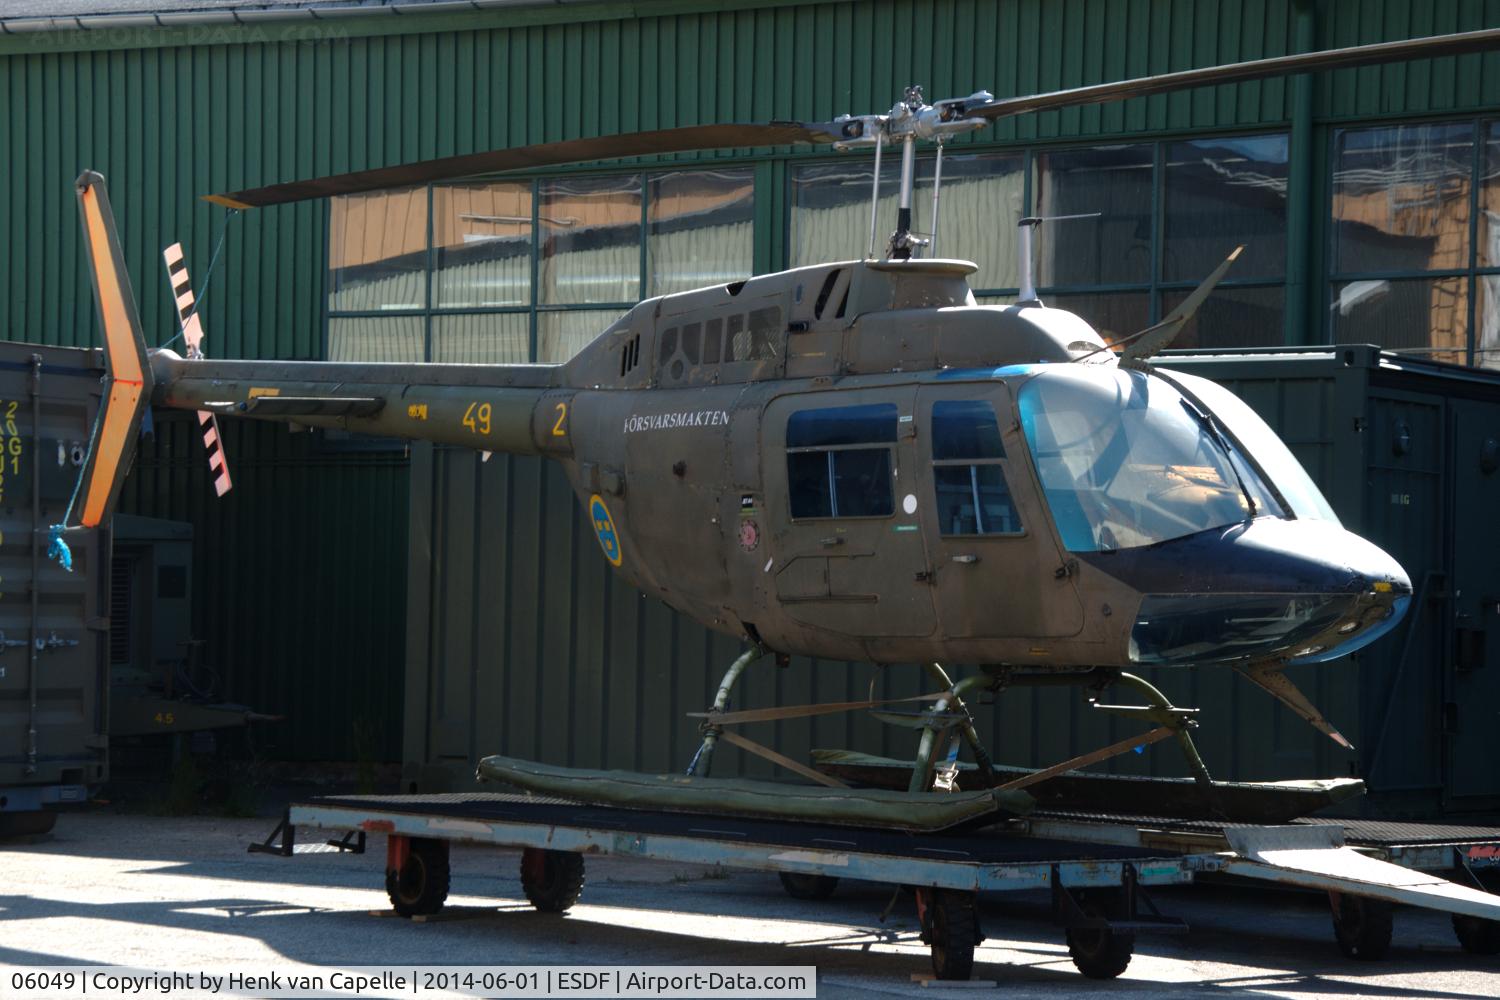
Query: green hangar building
[[428, 606]]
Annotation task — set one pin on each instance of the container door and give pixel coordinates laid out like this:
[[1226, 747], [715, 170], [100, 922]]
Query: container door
[[846, 553], [1472, 712]]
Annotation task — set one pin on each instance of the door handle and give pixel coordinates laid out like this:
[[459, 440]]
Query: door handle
[[829, 543], [966, 559]]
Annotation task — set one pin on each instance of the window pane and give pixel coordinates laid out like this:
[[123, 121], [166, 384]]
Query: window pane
[[700, 229], [980, 202], [1219, 194], [560, 335], [982, 199], [1489, 200], [482, 339], [1114, 248], [590, 240], [1421, 316], [831, 209], [1113, 314], [960, 487], [376, 338], [1487, 318], [807, 478], [841, 425], [862, 483], [482, 233], [1232, 317], [1401, 197], [965, 428], [377, 250]]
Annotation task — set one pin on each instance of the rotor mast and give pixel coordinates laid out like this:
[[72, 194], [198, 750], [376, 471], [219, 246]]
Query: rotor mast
[[910, 120]]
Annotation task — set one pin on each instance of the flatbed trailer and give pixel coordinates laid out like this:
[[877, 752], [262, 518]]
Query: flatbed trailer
[[1097, 869]]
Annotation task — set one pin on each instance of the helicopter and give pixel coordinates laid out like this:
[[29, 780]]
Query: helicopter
[[855, 460]]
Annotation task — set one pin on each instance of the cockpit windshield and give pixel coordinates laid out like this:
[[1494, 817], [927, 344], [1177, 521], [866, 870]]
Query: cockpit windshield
[[1125, 460]]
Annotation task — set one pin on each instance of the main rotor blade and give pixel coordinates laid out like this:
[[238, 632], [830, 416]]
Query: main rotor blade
[[1258, 69], [608, 147]]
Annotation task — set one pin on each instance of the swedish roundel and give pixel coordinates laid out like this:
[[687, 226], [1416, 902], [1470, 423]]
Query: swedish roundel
[[604, 527]]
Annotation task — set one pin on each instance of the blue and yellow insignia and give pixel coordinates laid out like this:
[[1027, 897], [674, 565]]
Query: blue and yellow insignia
[[604, 527]]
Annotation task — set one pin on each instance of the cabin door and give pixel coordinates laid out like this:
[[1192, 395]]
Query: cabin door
[[846, 550]]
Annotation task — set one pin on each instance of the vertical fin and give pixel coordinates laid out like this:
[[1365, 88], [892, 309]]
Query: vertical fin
[[128, 380], [192, 334]]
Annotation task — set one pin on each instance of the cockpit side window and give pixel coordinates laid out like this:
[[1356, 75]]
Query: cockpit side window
[[838, 461], [968, 470]]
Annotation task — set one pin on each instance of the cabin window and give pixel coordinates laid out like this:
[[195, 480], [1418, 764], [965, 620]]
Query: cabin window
[[967, 472], [838, 461], [754, 339]]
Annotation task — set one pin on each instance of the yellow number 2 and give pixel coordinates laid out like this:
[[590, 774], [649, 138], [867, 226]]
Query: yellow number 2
[[560, 429]]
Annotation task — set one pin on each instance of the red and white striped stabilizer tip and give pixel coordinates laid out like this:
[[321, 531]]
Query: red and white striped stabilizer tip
[[192, 333]]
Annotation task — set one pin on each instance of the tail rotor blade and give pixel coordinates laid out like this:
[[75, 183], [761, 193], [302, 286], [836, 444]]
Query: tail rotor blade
[[192, 334]]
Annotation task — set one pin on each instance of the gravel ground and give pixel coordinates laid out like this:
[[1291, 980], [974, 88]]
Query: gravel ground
[[181, 893]]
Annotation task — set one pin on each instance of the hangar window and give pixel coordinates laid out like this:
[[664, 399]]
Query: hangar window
[[1412, 261], [524, 270], [1157, 218], [838, 461], [967, 472]]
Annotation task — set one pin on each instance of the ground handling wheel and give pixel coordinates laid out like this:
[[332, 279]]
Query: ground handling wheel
[[1362, 926], [800, 885], [416, 875], [1099, 952], [552, 880], [950, 927], [1477, 935]]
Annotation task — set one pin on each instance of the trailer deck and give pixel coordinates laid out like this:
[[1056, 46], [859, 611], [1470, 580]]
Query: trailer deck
[[1096, 868]]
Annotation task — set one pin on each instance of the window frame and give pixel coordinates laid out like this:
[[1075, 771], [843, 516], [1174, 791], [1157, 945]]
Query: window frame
[[1470, 274], [972, 463], [428, 311], [889, 447]]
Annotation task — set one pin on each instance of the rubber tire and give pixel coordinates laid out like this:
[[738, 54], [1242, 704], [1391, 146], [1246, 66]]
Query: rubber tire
[[1100, 954], [955, 932], [800, 885], [1476, 935], [421, 886], [32, 823], [558, 884], [1362, 927]]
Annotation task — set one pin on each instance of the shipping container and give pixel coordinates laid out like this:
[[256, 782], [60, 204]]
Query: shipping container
[[54, 650], [522, 642]]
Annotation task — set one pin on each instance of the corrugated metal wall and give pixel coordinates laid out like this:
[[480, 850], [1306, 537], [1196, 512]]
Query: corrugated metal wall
[[300, 579], [169, 114]]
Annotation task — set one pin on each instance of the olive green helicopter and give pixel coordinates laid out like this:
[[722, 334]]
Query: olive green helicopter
[[855, 461]]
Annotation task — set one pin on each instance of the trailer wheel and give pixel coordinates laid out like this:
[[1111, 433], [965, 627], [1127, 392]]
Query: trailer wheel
[[1477, 935], [552, 880], [1099, 952], [32, 823], [954, 933], [800, 885], [421, 885], [1362, 926]]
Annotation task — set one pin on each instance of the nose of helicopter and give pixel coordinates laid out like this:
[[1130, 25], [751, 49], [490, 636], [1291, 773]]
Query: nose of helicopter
[[1304, 590]]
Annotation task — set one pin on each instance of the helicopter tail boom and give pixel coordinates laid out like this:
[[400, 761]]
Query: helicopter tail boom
[[496, 408]]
